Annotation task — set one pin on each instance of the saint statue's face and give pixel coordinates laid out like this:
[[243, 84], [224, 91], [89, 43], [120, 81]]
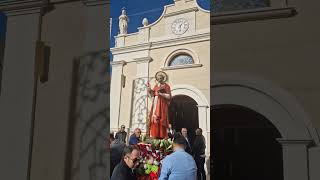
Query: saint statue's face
[[160, 78]]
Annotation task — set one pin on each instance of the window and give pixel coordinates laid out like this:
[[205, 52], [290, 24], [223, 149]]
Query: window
[[233, 5], [181, 59]]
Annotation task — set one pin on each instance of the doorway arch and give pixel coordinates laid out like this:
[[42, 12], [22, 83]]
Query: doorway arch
[[245, 145], [283, 111], [183, 113], [203, 112], [203, 108]]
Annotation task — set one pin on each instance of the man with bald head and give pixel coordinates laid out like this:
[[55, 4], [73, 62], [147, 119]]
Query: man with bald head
[[135, 137]]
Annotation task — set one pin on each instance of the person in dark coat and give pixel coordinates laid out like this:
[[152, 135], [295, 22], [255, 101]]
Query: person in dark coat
[[130, 159], [198, 148], [116, 149], [121, 135], [184, 133], [171, 132]]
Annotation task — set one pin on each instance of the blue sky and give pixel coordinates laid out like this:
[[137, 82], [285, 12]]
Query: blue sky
[[137, 10]]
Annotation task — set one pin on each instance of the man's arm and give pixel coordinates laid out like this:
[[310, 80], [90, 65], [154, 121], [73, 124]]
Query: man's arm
[[165, 170]]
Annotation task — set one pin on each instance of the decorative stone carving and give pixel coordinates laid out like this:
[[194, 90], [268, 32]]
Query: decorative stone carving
[[123, 22], [145, 22]]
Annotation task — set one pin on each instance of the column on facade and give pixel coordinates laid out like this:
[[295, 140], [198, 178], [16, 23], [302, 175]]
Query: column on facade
[[97, 28], [295, 159], [314, 159], [115, 93], [19, 78], [203, 124], [202, 115], [140, 94]]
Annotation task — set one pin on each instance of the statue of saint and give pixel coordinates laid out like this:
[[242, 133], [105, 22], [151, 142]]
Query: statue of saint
[[123, 22], [158, 117]]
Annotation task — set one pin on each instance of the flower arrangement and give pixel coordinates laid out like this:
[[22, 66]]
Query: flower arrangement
[[152, 154]]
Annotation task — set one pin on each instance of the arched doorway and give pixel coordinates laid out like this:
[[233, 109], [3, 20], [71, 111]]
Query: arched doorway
[[183, 112], [245, 145]]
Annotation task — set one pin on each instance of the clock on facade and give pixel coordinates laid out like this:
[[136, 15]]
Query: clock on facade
[[180, 26]]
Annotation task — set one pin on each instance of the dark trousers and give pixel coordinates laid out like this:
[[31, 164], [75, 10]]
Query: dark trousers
[[201, 173]]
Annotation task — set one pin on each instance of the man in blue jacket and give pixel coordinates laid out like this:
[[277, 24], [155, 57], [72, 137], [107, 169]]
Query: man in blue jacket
[[135, 137], [179, 165]]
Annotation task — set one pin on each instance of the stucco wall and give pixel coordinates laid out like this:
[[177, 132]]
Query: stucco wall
[[63, 30], [281, 50]]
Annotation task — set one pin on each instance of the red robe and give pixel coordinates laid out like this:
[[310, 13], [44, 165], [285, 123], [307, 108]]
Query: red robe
[[158, 116]]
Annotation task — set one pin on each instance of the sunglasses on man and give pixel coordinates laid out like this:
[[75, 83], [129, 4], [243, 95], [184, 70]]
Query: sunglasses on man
[[134, 160]]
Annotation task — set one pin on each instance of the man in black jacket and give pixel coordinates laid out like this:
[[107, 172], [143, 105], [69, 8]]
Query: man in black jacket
[[130, 159], [121, 135], [171, 132], [184, 133], [116, 149], [199, 147]]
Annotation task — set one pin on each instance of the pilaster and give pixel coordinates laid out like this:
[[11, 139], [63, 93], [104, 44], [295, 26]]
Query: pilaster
[[115, 93], [295, 159], [19, 76], [140, 94], [144, 34]]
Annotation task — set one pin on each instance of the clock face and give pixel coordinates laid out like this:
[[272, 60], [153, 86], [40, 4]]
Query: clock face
[[180, 26]]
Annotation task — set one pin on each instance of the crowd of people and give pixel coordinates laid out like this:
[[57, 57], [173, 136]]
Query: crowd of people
[[185, 163]]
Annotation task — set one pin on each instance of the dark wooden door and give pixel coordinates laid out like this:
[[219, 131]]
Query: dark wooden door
[[245, 146]]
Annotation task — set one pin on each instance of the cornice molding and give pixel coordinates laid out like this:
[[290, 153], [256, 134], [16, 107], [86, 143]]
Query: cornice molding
[[181, 67], [181, 40], [95, 2], [181, 12], [304, 142], [251, 15], [22, 7], [117, 63], [133, 48], [161, 43], [143, 60]]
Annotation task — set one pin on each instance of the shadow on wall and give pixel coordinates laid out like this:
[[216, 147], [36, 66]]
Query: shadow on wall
[[3, 24], [87, 157]]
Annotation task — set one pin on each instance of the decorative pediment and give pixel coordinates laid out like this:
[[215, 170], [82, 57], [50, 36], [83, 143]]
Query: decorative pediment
[[182, 19]]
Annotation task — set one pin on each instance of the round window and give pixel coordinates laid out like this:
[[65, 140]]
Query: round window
[[181, 60]]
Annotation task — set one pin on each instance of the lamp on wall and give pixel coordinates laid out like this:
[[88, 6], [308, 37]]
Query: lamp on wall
[[123, 80], [42, 61]]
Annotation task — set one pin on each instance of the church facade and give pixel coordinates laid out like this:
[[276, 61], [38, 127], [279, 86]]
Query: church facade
[[54, 117], [177, 44]]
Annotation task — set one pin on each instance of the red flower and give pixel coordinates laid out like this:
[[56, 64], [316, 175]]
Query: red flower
[[154, 176]]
